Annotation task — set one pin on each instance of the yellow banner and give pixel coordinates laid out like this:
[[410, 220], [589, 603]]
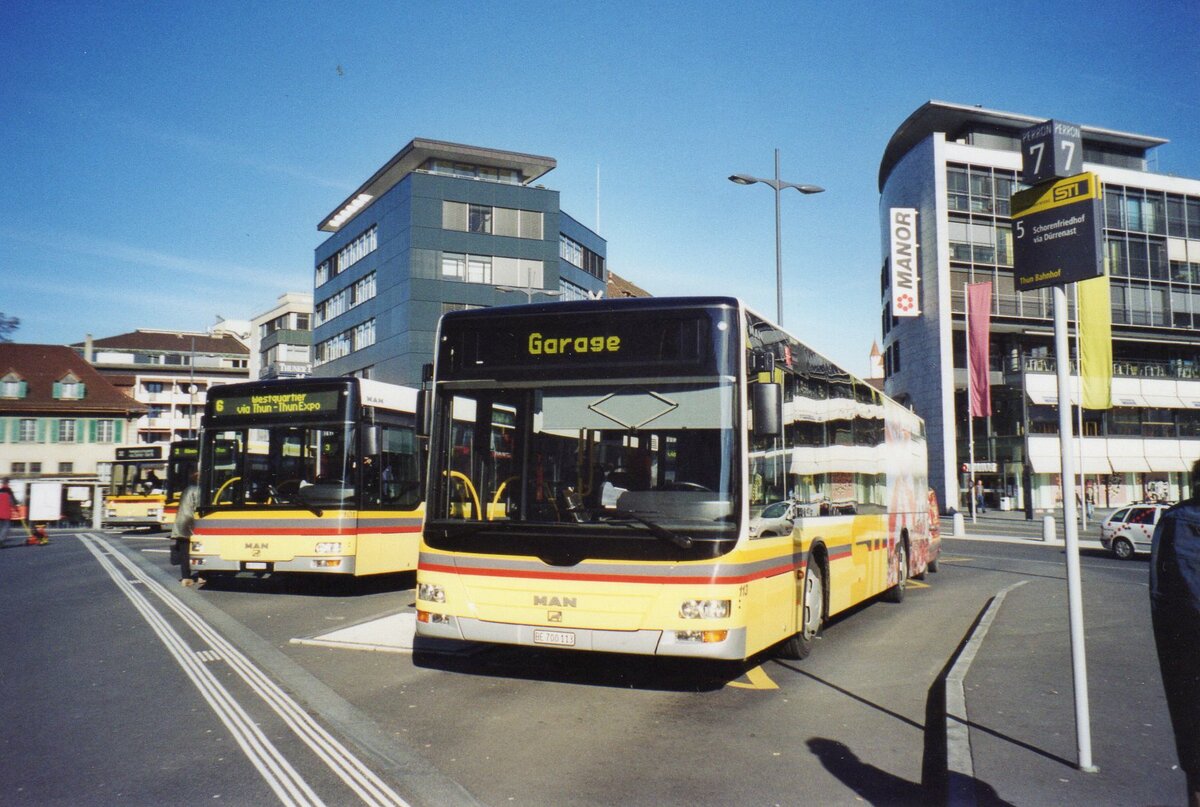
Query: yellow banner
[[1095, 343]]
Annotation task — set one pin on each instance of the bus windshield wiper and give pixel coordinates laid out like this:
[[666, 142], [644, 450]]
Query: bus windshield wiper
[[658, 530]]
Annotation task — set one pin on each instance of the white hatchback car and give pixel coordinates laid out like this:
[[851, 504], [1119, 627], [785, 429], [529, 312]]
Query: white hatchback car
[[1130, 529]]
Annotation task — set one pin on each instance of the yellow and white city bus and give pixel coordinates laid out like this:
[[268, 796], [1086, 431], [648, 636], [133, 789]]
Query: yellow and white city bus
[[595, 466], [308, 475], [134, 496], [183, 458]]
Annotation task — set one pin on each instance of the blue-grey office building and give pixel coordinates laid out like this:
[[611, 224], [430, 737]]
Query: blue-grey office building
[[441, 226]]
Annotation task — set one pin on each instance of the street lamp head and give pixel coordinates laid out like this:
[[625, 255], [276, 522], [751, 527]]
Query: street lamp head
[[809, 188], [743, 179]]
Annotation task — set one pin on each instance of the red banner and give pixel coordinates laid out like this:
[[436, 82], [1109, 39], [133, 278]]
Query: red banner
[[979, 318]]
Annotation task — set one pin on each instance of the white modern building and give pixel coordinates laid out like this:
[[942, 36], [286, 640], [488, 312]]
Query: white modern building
[[957, 167], [281, 338]]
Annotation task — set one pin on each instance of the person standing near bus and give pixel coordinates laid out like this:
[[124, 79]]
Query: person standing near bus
[[8, 510], [181, 532], [1175, 614]]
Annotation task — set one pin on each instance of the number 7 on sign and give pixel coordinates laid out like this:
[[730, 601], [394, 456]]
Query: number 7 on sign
[[1036, 150], [1069, 147]]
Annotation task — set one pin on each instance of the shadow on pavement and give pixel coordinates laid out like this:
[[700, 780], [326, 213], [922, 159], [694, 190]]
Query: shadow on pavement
[[310, 585], [572, 667]]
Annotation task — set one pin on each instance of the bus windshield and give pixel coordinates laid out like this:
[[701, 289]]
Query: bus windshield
[[131, 478], [311, 466], [650, 460]]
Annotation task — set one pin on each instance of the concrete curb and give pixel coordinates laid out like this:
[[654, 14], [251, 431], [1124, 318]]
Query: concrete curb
[[960, 767]]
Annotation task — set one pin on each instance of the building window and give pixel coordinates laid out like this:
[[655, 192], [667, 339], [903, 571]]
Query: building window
[[580, 256], [322, 274], [66, 467], [11, 386], [479, 219], [66, 431], [506, 221], [344, 300], [479, 269], [570, 291], [68, 389], [18, 467], [345, 343], [154, 387], [454, 265], [35, 467], [487, 173], [105, 431], [27, 430], [364, 335], [356, 250]]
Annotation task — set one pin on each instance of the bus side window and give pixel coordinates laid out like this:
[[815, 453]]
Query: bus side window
[[391, 478]]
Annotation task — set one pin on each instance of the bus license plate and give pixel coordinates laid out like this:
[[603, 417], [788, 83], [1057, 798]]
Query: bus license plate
[[555, 637], [255, 564]]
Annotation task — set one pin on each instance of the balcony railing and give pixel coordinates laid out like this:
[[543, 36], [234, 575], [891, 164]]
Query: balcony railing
[[1175, 368]]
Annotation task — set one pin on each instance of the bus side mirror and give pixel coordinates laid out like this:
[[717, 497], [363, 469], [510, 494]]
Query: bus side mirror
[[371, 441], [767, 400], [424, 398]]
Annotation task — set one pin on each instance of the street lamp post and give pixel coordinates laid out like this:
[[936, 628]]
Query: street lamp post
[[528, 290], [778, 185]]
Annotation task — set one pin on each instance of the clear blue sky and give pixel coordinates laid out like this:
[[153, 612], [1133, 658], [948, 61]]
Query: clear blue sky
[[166, 163]]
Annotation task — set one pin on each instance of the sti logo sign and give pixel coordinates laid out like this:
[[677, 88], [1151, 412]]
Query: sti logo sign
[[902, 224]]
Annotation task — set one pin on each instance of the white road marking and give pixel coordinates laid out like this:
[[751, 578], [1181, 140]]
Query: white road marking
[[282, 778], [351, 770]]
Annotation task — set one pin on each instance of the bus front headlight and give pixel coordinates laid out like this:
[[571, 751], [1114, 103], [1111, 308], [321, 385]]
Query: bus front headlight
[[431, 593], [704, 609]]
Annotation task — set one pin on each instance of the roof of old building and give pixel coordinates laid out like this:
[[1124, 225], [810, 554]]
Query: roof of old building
[[620, 287], [171, 341], [40, 366]]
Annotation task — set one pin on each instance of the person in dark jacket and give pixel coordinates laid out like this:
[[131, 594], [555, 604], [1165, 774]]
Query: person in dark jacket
[[1175, 613], [181, 532]]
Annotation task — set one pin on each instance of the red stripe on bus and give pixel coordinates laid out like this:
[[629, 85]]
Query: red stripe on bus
[[303, 530], [609, 578]]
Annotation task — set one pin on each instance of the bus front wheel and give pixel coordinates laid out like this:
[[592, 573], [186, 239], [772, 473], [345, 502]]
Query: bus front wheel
[[812, 614]]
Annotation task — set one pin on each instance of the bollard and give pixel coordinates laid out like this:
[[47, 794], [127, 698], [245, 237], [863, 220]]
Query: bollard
[[960, 525], [1048, 528]]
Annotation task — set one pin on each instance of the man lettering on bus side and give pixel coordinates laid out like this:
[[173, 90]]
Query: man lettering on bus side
[[1175, 614], [181, 532]]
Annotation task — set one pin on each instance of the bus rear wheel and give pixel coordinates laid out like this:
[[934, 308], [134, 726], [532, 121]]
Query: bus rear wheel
[[812, 614], [896, 592]]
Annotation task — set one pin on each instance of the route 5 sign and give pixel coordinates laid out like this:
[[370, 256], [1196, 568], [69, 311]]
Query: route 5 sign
[[1051, 150]]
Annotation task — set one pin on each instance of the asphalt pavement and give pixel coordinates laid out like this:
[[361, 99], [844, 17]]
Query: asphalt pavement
[[1012, 734]]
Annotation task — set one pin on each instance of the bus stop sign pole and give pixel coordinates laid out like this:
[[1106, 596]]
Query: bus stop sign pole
[[1083, 728], [1058, 239]]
